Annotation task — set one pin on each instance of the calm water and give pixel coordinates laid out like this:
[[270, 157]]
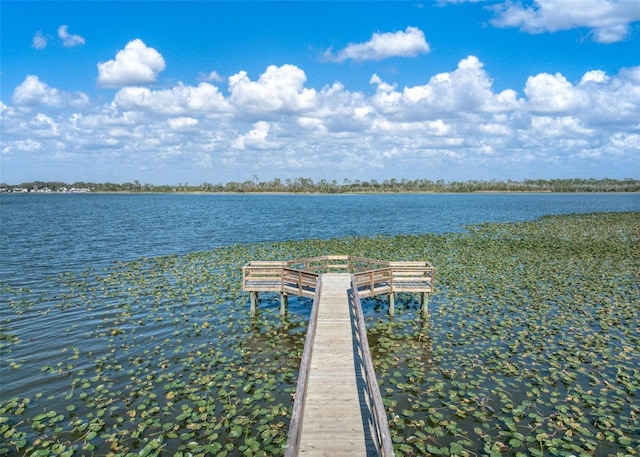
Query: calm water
[[45, 234]]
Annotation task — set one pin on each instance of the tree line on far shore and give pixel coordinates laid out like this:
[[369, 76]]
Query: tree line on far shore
[[308, 185]]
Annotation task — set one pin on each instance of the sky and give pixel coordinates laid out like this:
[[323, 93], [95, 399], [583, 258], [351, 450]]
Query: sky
[[168, 92]]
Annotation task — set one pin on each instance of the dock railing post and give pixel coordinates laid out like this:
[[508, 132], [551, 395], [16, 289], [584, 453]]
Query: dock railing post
[[392, 304]]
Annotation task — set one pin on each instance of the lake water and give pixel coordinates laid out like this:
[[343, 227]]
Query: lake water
[[45, 234], [53, 335]]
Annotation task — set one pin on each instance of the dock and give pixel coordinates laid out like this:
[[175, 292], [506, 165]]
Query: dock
[[338, 410]]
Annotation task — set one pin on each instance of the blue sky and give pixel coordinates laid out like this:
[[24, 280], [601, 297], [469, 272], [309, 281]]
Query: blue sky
[[171, 92]]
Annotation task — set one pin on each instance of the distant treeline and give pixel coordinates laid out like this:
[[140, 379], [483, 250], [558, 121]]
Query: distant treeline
[[308, 185]]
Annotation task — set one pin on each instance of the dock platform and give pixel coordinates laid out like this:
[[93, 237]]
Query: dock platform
[[373, 277]]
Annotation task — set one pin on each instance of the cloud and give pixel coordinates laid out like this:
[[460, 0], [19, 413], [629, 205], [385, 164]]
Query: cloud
[[182, 99], [28, 145], [467, 89], [39, 41], [34, 93], [256, 138], [135, 65], [44, 126], [559, 126], [180, 123], [278, 89], [69, 40], [212, 76], [595, 76], [608, 20], [381, 46], [553, 93], [453, 120]]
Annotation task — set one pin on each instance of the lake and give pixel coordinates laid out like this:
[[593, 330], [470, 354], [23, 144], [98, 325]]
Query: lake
[[45, 234], [103, 352]]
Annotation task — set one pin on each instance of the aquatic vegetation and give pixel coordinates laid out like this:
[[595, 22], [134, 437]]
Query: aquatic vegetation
[[532, 347]]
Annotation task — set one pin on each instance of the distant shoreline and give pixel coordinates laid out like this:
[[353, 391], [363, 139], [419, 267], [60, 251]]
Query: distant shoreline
[[271, 193], [322, 187]]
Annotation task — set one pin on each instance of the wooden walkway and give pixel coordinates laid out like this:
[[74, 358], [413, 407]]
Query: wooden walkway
[[337, 415]]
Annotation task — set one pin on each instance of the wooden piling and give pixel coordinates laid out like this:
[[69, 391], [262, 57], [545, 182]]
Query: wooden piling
[[424, 304], [254, 302]]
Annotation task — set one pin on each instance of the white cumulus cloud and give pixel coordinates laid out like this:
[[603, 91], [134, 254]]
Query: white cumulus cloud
[[553, 93], [69, 40], [594, 76], [278, 89], [608, 20], [44, 126], [204, 98], [467, 89], [407, 43], [136, 64], [256, 138], [28, 145], [561, 126], [454, 119], [33, 92]]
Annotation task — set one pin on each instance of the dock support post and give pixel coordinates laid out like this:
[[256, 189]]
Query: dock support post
[[392, 304], [284, 303], [254, 302], [424, 304]]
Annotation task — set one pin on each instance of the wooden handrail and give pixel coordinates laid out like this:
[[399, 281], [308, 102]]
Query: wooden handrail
[[300, 282], [373, 280], [384, 443], [295, 426], [379, 277]]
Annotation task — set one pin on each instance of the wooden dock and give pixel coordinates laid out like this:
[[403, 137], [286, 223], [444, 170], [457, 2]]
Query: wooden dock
[[338, 417], [338, 409]]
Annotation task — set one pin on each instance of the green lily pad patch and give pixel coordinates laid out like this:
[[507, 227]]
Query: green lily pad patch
[[531, 348]]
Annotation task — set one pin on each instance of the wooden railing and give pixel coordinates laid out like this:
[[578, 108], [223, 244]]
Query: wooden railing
[[295, 426], [412, 277], [374, 282], [336, 264], [383, 441], [324, 264], [299, 282], [262, 276], [373, 277]]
